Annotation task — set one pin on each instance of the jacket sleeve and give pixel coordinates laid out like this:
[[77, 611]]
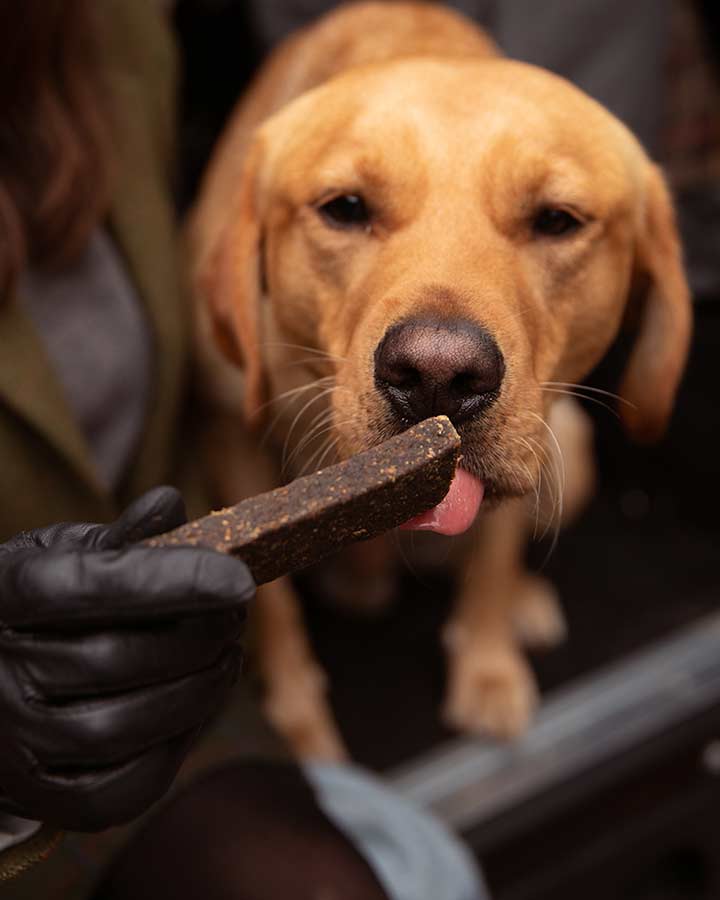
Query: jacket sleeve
[[137, 46], [17, 857]]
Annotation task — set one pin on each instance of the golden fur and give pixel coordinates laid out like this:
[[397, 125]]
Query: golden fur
[[455, 149]]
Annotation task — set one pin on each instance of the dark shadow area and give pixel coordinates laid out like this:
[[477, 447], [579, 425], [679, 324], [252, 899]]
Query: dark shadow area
[[219, 56]]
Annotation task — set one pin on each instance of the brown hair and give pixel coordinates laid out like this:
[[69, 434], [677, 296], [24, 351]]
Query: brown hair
[[54, 133]]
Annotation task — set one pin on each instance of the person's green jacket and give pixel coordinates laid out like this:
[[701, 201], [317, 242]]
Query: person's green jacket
[[46, 472]]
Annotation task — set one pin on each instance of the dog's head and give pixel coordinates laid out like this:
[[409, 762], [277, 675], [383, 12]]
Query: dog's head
[[461, 237]]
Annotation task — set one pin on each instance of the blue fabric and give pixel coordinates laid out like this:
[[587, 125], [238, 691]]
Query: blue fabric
[[414, 856]]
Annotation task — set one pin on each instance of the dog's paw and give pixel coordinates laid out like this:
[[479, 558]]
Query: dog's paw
[[299, 710], [491, 691], [537, 616]]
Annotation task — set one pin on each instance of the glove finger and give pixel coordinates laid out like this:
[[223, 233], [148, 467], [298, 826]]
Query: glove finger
[[70, 589], [90, 665], [155, 512], [104, 732], [78, 534], [95, 800], [12, 807]]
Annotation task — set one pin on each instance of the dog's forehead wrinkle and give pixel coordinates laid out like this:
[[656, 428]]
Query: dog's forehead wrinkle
[[486, 92], [419, 119], [410, 160], [496, 169], [486, 116]]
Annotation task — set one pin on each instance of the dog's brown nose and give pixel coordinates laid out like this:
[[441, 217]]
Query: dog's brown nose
[[426, 367]]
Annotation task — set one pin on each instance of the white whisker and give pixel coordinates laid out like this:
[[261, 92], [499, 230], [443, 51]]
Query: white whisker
[[320, 425], [579, 396], [299, 389], [289, 395], [587, 387], [299, 415], [537, 483], [560, 474], [551, 478], [316, 351], [329, 445], [309, 465]]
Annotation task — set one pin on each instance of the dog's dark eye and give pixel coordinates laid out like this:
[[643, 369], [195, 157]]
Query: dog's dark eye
[[554, 222], [346, 211]]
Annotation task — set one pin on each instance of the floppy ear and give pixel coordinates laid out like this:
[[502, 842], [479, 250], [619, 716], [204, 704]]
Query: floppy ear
[[658, 357], [230, 284]]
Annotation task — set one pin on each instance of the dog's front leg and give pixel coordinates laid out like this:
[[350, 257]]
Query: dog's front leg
[[491, 688], [294, 683]]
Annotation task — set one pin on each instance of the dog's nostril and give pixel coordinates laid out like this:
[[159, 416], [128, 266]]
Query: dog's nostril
[[484, 379], [468, 384], [426, 367], [402, 376]]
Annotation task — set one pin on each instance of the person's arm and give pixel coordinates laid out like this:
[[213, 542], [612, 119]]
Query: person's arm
[[112, 657]]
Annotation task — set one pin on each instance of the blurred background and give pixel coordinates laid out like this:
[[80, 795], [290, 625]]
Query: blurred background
[[639, 568]]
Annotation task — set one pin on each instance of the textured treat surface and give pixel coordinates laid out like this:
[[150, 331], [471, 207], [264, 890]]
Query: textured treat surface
[[310, 518]]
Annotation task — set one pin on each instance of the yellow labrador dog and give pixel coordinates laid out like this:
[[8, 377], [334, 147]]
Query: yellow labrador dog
[[397, 223]]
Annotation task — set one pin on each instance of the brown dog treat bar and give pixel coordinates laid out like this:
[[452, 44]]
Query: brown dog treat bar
[[310, 518]]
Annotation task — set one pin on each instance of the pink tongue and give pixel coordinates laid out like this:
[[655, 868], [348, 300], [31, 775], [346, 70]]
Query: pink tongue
[[456, 512]]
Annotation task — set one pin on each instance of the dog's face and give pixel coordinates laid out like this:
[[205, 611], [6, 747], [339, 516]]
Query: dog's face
[[460, 237]]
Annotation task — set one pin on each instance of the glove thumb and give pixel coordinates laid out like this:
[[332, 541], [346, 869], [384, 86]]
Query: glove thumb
[[155, 512]]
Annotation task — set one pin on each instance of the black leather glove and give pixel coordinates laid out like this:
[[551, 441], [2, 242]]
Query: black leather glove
[[112, 656]]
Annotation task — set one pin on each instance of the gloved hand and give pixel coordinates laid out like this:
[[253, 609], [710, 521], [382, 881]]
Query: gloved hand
[[112, 656]]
